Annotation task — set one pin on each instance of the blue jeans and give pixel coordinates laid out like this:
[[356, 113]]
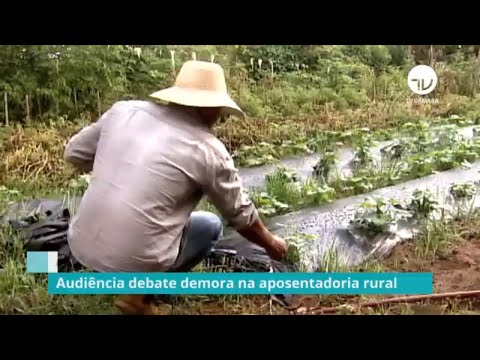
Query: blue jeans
[[202, 231]]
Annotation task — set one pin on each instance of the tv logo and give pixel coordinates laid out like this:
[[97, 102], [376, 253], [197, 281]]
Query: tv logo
[[422, 80]]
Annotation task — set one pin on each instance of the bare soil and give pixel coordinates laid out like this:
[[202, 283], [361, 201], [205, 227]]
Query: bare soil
[[457, 271]]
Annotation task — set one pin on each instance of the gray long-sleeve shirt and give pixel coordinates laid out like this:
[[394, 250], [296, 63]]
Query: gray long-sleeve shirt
[[151, 166]]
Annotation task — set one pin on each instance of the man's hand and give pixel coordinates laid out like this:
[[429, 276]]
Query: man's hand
[[257, 233], [278, 248]]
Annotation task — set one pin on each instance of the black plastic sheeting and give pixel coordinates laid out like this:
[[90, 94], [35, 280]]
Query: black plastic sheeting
[[42, 225], [46, 220]]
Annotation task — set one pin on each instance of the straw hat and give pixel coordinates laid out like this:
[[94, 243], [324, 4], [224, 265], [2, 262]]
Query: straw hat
[[200, 84]]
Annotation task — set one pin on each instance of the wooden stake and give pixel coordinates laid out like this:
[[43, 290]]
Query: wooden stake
[[75, 100], [99, 104], [27, 106], [6, 108], [39, 106], [57, 105], [172, 60]]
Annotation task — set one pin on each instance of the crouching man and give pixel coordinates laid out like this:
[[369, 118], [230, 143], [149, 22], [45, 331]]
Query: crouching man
[[151, 164]]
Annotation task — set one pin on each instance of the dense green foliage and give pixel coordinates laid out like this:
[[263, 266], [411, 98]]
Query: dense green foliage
[[60, 80]]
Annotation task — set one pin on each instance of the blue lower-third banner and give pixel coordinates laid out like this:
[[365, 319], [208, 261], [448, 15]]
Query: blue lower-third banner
[[241, 283]]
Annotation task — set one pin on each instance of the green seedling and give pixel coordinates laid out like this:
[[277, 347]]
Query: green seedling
[[394, 151], [330, 262], [463, 190], [80, 185], [376, 215], [325, 165], [297, 243], [283, 174], [423, 203], [268, 205], [293, 255], [315, 193]]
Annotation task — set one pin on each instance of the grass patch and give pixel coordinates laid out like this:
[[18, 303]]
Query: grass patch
[[438, 238], [24, 293]]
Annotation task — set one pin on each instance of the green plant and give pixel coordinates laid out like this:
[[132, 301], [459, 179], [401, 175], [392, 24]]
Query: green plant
[[434, 237], [377, 215], [359, 184], [81, 184], [249, 156], [353, 185], [314, 193], [465, 190], [423, 203], [284, 186], [268, 205], [266, 153], [330, 262], [297, 243], [7, 197], [297, 100], [282, 174], [362, 145], [325, 165]]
